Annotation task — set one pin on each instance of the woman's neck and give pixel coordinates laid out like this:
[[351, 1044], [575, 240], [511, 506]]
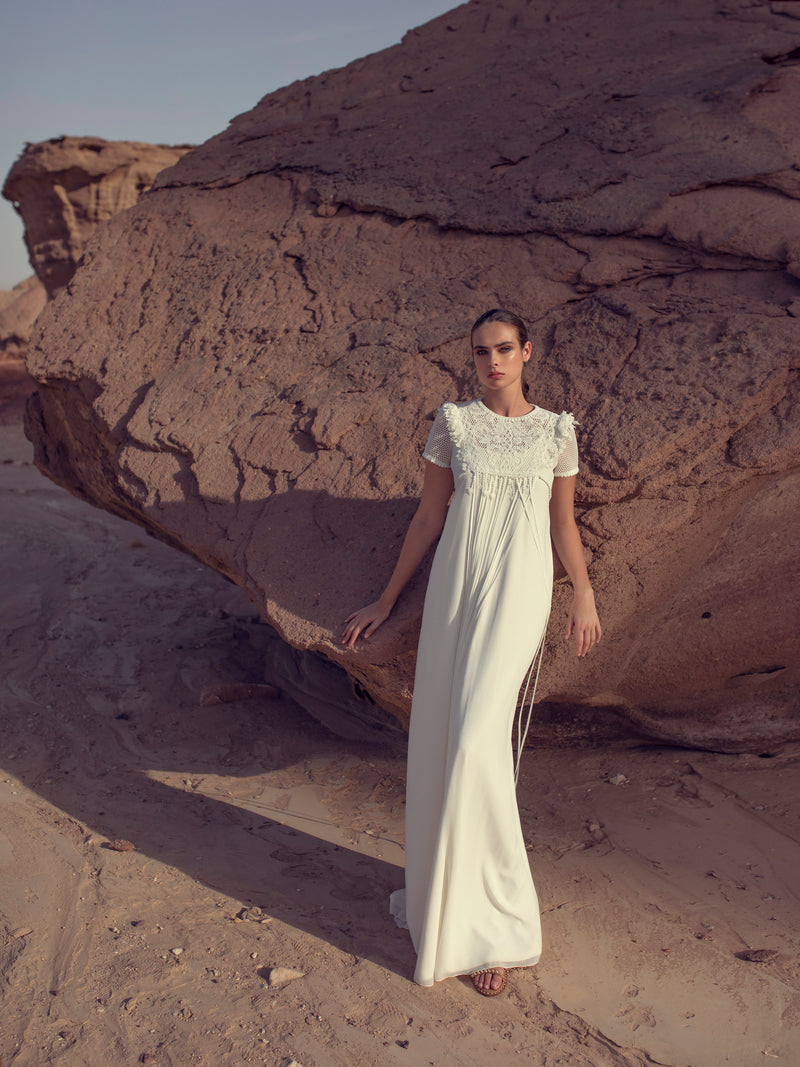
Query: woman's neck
[[509, 406]]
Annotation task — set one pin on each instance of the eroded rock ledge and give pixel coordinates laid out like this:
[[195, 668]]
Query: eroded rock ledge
[[63, 188], [248, 360]]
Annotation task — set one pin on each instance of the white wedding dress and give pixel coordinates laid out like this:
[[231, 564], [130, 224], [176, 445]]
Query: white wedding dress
[[469, 899]]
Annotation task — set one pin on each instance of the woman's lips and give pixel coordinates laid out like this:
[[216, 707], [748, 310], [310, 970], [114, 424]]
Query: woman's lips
[[495, 374]]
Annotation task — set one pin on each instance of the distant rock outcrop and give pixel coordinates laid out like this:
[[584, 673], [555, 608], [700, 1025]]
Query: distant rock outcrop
[[64, 187], [18, 310], [250, 358]]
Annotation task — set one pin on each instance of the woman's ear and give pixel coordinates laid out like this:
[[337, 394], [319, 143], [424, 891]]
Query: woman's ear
[[527, 348]]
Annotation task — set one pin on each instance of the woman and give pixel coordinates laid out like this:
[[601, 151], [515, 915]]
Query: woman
[[510, 469]]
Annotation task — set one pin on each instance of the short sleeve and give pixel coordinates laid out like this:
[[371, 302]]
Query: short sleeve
[[567, 462], [439, 449]]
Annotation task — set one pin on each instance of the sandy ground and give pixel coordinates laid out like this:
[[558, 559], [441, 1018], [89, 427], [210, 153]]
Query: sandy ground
[[649, 887]]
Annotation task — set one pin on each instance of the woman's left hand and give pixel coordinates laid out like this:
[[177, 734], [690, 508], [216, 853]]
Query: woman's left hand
[[583, 621]]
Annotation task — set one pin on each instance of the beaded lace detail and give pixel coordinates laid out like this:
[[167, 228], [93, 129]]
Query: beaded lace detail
[[471, 438]]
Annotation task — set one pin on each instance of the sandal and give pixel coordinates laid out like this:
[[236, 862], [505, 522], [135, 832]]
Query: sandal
[[488, 991]]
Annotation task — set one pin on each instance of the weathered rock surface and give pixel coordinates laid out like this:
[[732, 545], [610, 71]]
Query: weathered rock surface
[[18, 309], [64, 187], [249, 359]]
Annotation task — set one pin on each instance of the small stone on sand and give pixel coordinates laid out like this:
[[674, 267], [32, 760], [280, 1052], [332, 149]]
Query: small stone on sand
[[756, 955], [119, 844], [253, 915], [278, 976]]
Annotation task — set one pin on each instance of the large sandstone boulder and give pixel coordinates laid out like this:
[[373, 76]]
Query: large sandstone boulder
[[64, 187], [250, 358]]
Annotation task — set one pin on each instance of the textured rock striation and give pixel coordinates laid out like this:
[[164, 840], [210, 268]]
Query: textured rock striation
[[249, 359], [64, 187]]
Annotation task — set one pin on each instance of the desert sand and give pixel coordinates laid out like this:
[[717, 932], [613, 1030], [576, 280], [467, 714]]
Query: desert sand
[[164, 863]]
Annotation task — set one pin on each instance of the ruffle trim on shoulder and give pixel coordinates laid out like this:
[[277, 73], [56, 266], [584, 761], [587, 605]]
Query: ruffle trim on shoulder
[[566, 447], [455, 427], [565, 423]]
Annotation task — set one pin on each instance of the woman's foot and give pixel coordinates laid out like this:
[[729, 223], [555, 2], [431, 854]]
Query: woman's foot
[[490, 982]]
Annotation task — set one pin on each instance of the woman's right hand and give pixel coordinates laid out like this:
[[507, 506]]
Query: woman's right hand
[[364, 623]]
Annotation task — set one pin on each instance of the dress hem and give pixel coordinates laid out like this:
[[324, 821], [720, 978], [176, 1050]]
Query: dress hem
[[531, 962]]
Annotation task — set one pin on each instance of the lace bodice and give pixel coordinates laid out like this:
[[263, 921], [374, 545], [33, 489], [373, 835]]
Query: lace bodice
[[470, 437]]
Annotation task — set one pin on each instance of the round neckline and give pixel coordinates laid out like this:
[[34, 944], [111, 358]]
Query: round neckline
[[513, 418]]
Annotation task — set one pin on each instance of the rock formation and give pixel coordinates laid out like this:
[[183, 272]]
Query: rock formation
[[64, 187], [249, 359], [18, 309]]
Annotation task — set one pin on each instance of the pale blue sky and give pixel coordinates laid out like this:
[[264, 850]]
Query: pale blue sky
[[166, 71]]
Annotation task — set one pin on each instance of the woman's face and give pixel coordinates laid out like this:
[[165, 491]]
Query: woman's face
[[498, 355]]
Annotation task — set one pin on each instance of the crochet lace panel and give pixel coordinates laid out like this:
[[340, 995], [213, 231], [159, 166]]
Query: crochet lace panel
[[470, 437]]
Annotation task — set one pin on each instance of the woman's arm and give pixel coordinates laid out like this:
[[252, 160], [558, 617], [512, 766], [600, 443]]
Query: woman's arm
[[423, 530], [582, 619]]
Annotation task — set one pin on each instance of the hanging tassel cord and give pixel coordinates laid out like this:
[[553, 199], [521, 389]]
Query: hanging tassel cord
[[523, 734]]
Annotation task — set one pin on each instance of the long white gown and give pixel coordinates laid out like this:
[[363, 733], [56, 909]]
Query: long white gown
[[469, 900]]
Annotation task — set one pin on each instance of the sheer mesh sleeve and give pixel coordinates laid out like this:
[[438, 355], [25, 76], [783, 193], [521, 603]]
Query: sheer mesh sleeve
[[439, 449], [567, 462]]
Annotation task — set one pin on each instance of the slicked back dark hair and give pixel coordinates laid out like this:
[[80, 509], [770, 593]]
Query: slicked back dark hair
[[508, 317]]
